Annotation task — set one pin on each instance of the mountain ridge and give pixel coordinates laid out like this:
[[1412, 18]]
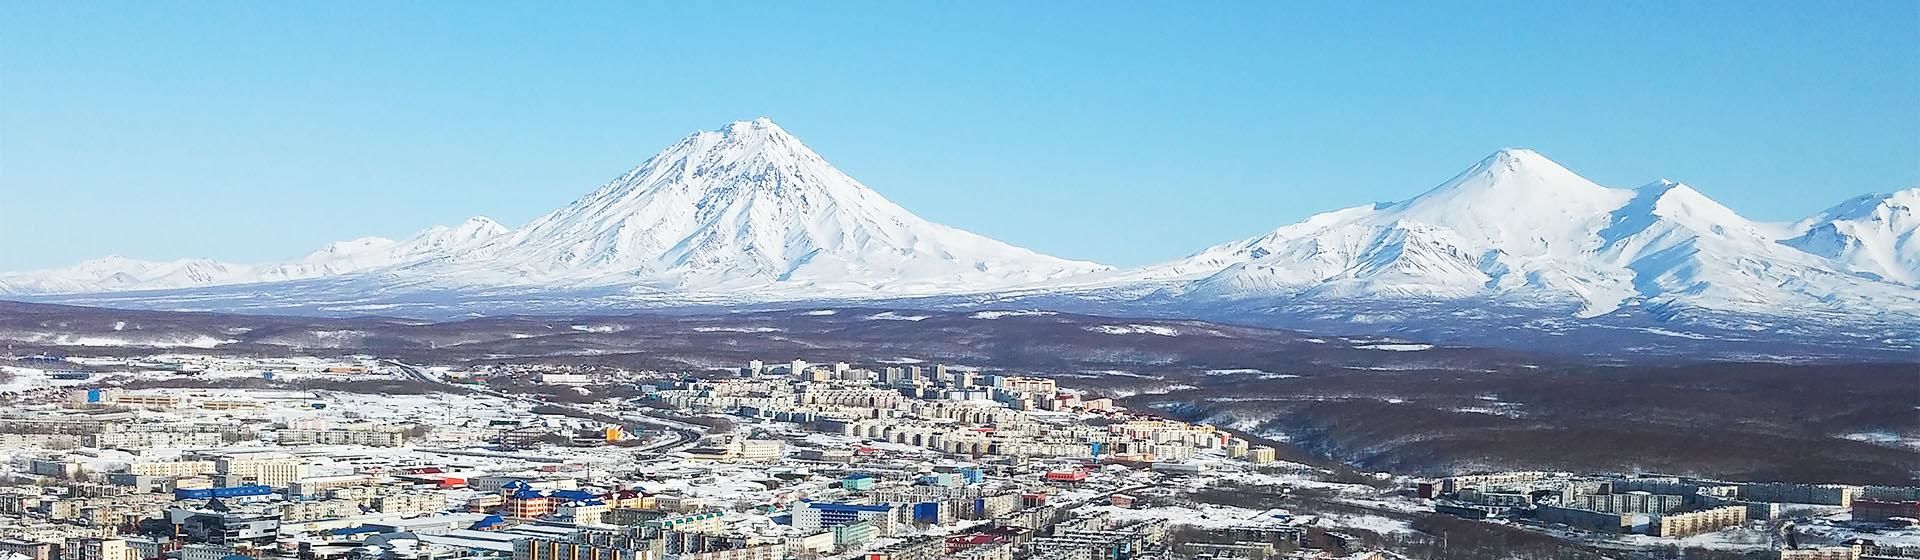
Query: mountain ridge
[[748, 214]]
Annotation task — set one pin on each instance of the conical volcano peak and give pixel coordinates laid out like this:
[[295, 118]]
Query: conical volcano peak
[[1514, 198], [481, 223], [1516, 157], [745, 206], [1516, 168], [1509, 180], [745, 142], [759, 126], [757, 131]]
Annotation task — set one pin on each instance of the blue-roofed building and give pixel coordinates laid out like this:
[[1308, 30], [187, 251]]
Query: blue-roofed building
[[355, 530], [814, 516], [573, 495], [488, 523]]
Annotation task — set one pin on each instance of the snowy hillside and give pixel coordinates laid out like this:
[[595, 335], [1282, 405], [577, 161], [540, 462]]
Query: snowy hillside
[[1872, 235], [746, 212], [1519, 229], [748, 208], [116, 273]]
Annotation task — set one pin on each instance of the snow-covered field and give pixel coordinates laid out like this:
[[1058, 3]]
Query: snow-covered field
[[1018, 313], [1135, 329], [1838, 527], [1206, 516], [19, 379], [895, 316], [1886, 438], [1398, 347], [1262, 374]]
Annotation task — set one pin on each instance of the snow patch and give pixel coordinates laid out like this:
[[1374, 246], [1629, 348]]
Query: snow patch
[[892, 316], [1135, 329], [1019, 313], [739, 329], [1398, 347]]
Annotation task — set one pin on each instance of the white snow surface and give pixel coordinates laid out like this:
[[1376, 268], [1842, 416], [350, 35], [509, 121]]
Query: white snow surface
[[747, 210], [117, 273], [749, 213], [1871, 235], [1155, 330], [1013, 313], [1521, 228], [1397, 347]]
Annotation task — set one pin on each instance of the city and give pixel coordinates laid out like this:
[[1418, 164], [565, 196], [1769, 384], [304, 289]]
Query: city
[[830, 280], [196, 456]]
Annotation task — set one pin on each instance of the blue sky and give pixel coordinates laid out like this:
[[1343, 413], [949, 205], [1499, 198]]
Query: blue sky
[[253, 131]]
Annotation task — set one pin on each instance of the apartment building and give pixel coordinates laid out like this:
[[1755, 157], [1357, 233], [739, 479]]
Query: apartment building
[[1703, 521], [368, 435], [916, 548], [409, 503], [171, 468], [810, 516], [1456, 483], [148, 439], [1631, 502], [320, 485], [1584, 519], [591, 546], [99, 549], [1823, 494], [267, 469], [1876, 511], [1031, 385]]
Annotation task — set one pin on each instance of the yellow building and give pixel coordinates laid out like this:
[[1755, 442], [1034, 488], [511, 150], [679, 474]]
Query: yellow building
[[1703, 521], [269, 470]]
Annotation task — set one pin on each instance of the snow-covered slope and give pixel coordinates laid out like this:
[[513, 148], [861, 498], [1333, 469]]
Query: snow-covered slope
[[1521, 229], [749, 215], [116, 273], [1871, 235], [748, 208], [744, 213]]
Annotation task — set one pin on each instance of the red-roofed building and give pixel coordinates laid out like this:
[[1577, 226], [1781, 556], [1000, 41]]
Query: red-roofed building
[[1067, 476], [958, 543]]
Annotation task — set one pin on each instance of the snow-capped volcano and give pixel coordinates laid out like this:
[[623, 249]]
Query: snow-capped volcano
[[746, 208], [749, 215], [1519, 228], [747, 211], [1513, 221]]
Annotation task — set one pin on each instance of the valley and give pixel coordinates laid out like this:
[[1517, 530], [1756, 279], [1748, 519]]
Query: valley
[[1369, 402]]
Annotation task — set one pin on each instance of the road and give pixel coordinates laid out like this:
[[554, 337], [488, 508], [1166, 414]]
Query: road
[[681, 434]]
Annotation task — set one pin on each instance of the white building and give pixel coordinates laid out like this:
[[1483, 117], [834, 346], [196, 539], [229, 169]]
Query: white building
[[573, 379]]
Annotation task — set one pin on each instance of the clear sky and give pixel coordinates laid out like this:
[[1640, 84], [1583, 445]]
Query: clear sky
[[1124, 133]]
